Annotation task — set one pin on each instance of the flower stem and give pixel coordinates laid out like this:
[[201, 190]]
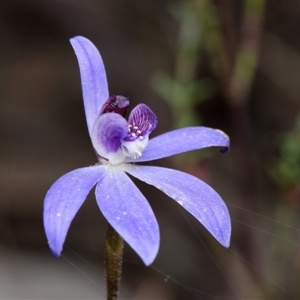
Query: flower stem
[[113, 262]]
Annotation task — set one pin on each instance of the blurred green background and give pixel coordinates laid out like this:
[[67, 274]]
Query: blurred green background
[[232, 65]]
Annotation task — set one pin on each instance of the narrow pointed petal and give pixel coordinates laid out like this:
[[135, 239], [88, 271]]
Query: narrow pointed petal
[[182, 140], [93, 78], [191, 193], [129, 213], [63, 200]]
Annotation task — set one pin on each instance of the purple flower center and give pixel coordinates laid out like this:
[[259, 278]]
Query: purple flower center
[[142, 121], [114, 138]]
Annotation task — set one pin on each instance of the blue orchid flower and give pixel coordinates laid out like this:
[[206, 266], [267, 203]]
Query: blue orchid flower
[[119, 145]]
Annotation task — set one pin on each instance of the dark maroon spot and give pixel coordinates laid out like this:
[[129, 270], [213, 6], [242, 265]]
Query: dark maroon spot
[[224, 150], [115, 103]]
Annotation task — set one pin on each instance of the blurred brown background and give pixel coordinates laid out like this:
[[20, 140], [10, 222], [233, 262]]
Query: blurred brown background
[[233, 65]]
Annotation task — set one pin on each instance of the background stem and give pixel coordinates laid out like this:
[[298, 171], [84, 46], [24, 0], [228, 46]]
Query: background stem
[[113, 262]]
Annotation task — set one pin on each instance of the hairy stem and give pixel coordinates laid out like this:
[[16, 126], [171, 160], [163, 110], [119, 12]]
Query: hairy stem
[[113, 262]]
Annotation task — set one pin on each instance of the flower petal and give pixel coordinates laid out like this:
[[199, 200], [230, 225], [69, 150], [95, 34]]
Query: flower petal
[[142, 121], [182, 140], [108, 131], [64, 199], [93, 78], [191, 193], [129, 213]]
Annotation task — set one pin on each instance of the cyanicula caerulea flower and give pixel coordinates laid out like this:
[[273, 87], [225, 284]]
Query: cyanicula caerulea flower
[[119, 145]]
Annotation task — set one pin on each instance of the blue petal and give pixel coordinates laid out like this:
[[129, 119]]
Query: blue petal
[[108, 131], [129, 213], [192, 194], [64, 199], [182, 140], [93, 78]]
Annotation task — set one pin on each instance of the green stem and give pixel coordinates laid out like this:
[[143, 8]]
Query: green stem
[[113, 262]]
